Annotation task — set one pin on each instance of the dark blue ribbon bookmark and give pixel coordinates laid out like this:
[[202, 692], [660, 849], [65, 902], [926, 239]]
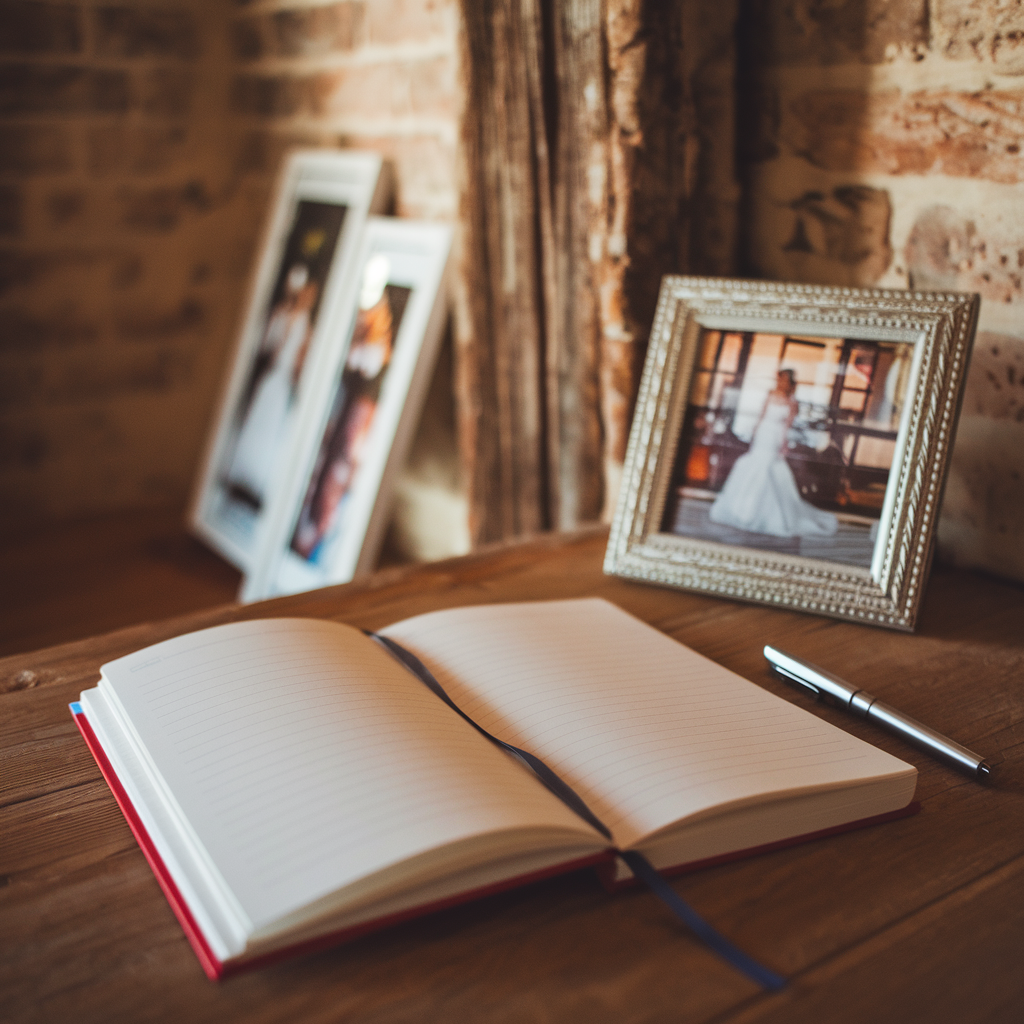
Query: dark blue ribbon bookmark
[[641, 867]]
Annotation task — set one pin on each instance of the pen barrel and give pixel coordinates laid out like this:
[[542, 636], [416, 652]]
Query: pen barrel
[[918, 733]]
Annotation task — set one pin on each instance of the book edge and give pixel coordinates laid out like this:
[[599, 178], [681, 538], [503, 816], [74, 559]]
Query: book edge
[[213, 967], [607, 872], [216, 969]]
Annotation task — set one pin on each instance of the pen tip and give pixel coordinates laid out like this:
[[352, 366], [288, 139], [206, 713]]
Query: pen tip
[[984, 770]]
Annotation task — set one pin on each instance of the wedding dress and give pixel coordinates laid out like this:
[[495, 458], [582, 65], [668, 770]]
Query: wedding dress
[[760, 494], [256, 452]]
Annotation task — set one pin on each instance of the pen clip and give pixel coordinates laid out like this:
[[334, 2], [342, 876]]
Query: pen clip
[[796, 679]]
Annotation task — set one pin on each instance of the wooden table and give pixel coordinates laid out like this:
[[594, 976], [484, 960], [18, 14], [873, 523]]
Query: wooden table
[[920, 919]]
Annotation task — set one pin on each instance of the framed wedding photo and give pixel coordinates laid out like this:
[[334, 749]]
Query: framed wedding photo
[[303, 272], [790, 444], [328, 519]]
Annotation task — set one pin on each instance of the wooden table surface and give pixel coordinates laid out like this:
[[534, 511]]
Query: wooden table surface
[[920, 919]]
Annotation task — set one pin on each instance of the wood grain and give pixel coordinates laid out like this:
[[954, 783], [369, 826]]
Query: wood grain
[[918, 919], [77, 579]]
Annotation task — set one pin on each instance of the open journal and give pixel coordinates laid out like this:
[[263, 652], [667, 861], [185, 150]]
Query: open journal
[[292, 783]]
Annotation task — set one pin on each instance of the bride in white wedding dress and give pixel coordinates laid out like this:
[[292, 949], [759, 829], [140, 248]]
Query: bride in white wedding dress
[[285, 338], [760, 494]]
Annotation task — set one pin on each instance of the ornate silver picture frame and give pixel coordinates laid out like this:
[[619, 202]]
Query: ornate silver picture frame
[[790, 444]]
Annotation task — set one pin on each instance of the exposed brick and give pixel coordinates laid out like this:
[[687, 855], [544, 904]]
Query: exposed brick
[[126, 271], [18, 268], [148, 325], [146, 149], [22, 329], [424, 169], [983, 30], [946, 251], [995, 383], [396, 21], [977, 135], [99, 375], [247, 39], [167, 92], [33, 148], [162, 209], [66, 205], [842, 238], [146, 32], [22, 447], [27, 27], [156, 371], [20, 382], [11, 208], [261, 152], [389, 89], [316, 30], [61, 88], [826, 32], [269, 95], [110, 92]]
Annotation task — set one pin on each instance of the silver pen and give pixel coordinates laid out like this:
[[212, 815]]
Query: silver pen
[[862, 703]]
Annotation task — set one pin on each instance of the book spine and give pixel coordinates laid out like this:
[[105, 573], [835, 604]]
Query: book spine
[[213, 967]]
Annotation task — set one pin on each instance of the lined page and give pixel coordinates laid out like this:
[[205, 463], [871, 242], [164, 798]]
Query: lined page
[[646, 730], [304, 757]]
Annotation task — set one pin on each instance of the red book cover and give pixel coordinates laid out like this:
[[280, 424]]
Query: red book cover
[[216, 969], [603, 863]]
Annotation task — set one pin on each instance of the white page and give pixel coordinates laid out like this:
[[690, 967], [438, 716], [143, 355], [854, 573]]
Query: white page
[[644, 729], [305, 758]]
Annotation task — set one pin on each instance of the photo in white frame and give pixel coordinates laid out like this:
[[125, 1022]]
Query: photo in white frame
[[329, 515], [302, 281]]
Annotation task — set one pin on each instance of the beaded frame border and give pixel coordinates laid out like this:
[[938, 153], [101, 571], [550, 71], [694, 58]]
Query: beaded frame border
[[941, 327]]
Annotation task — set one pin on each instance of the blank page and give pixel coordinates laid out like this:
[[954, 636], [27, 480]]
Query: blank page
[[644, 729], [305, 757]]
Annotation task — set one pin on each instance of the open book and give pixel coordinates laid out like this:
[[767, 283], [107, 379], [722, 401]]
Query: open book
[[291, 782]]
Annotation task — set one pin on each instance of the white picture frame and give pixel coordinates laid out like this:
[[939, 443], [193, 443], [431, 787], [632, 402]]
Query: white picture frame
[[301, 280], [329, 517]]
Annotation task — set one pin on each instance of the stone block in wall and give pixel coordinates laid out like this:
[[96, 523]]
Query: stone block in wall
[[972, 135], [163, 207], [982, 522], [423, 167], [980, 30], [400, 21], [166, 92], [827, 32], [65, 206], [27, 26], [59, 325], [142, 31], [11, 210], [822, 233], [35, 148], [122, 149], [62, 89], [279, 95], [947, 250], [300, 31], [389, 89]]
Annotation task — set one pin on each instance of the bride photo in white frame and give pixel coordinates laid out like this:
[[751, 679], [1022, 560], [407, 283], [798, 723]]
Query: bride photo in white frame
[[330, 513], [321, 202]]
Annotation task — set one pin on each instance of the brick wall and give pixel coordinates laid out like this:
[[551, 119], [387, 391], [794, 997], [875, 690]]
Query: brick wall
[[882, 145], [123, 228], [138, 142]]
